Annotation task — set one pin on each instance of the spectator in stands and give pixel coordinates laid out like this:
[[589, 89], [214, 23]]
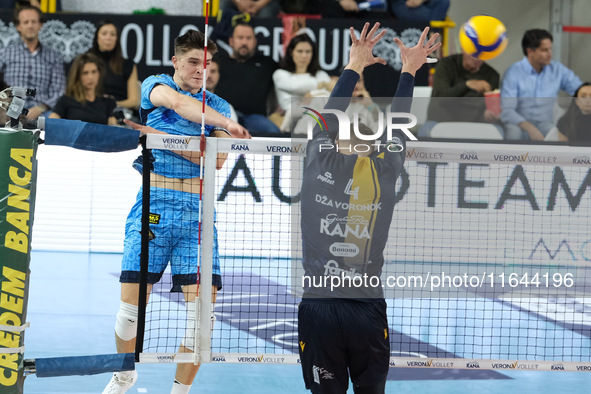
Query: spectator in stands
[[246, 80], [29, 64], [351, 8], [529, 86], [213, 77], [120, 81], [461, 75], [256, 8], [236, 11], [83, 99], [419, 10], [575, 124], [16, 4], [299, 76]]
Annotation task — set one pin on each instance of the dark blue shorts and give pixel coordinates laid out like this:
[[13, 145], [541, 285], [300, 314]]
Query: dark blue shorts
[[338, 338]]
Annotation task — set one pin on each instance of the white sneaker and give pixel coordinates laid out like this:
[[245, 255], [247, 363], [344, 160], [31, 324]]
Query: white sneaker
[[121, 382]]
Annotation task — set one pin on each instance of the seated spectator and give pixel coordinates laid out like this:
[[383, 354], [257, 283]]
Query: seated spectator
[[531, 86], [299, 76], [246, 81], [236, 11], [29, 64], [419, 10], [83, 99], [120, 81], [213, 77], [255, 8], [461, 75], [362, 105], [575, 124], [352, 8], [16, 4]]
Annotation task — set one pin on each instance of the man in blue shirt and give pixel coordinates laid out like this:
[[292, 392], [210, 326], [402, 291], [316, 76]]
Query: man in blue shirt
[[530, 87], [171, 105]]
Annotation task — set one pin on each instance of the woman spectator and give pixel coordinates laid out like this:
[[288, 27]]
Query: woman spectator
[[575, 124], [121, 79], [299, 74], [83, 99]]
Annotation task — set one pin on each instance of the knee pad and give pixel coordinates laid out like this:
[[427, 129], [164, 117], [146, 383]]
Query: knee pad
[[189, 339], [126, 324]]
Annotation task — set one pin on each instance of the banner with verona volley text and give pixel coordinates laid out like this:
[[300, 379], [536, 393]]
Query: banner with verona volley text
[[18, 173]]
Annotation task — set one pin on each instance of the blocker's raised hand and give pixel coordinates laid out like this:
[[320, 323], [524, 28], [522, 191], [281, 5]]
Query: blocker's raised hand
[[414, 58], [360, 55]]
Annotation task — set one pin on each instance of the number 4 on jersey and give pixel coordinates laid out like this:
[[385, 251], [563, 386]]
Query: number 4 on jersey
[[354, 193]]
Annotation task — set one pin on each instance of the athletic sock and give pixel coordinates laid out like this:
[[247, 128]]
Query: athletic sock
[[179, 388]]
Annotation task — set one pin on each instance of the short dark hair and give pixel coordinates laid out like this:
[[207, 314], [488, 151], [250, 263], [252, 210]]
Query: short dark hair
[[287, 62], [533, 38], [193, 39], [17, 14], [241, 23], [579, 88]]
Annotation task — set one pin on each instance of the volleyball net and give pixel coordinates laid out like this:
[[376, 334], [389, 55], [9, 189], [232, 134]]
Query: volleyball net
[[485, 264]]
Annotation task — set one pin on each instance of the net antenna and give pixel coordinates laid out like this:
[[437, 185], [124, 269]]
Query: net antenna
[[201, 152]]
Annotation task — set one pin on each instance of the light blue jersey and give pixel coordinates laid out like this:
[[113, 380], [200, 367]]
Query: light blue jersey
[[167, 163]]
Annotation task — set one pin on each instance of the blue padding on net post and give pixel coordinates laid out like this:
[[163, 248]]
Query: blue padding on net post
[[84, 365], [90, 136]]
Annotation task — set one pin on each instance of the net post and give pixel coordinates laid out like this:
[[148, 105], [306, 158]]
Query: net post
[[144, 254], [204, 307]]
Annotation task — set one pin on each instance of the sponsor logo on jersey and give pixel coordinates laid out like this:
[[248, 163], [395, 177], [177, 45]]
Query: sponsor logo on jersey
[[332, 268], [326, 178], [342, 249], [344, 230]]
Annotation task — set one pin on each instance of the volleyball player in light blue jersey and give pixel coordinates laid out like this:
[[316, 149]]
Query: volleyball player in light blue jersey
[[166, 162], [170, 105]]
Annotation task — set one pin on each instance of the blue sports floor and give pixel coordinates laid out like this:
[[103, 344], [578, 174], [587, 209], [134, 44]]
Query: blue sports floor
[[73, 300]]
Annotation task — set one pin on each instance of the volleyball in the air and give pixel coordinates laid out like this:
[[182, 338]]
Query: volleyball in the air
[[484, 37]]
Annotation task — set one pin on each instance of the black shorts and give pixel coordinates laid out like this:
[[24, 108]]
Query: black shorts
[[341, 337]]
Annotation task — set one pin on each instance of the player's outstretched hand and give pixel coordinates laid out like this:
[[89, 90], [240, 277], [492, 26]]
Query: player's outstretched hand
[[141, 128], [360, 55], [414, 58], [237, 131]]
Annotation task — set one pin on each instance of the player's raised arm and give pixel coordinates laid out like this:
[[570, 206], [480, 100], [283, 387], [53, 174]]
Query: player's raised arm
[[191, 109], [360, 56]]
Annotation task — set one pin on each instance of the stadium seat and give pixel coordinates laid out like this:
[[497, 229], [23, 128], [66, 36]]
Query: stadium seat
[[419, 107], [466, 130]]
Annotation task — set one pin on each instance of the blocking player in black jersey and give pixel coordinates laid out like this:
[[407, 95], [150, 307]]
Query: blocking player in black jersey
[[348, 197]]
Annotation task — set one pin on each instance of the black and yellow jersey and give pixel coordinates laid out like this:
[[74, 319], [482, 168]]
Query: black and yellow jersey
[[348, 203]]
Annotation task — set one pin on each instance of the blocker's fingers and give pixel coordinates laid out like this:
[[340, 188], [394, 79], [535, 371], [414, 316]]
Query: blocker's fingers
[[373, 30], [423, 36], [378, 37], [363, 34], [353, 37]]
